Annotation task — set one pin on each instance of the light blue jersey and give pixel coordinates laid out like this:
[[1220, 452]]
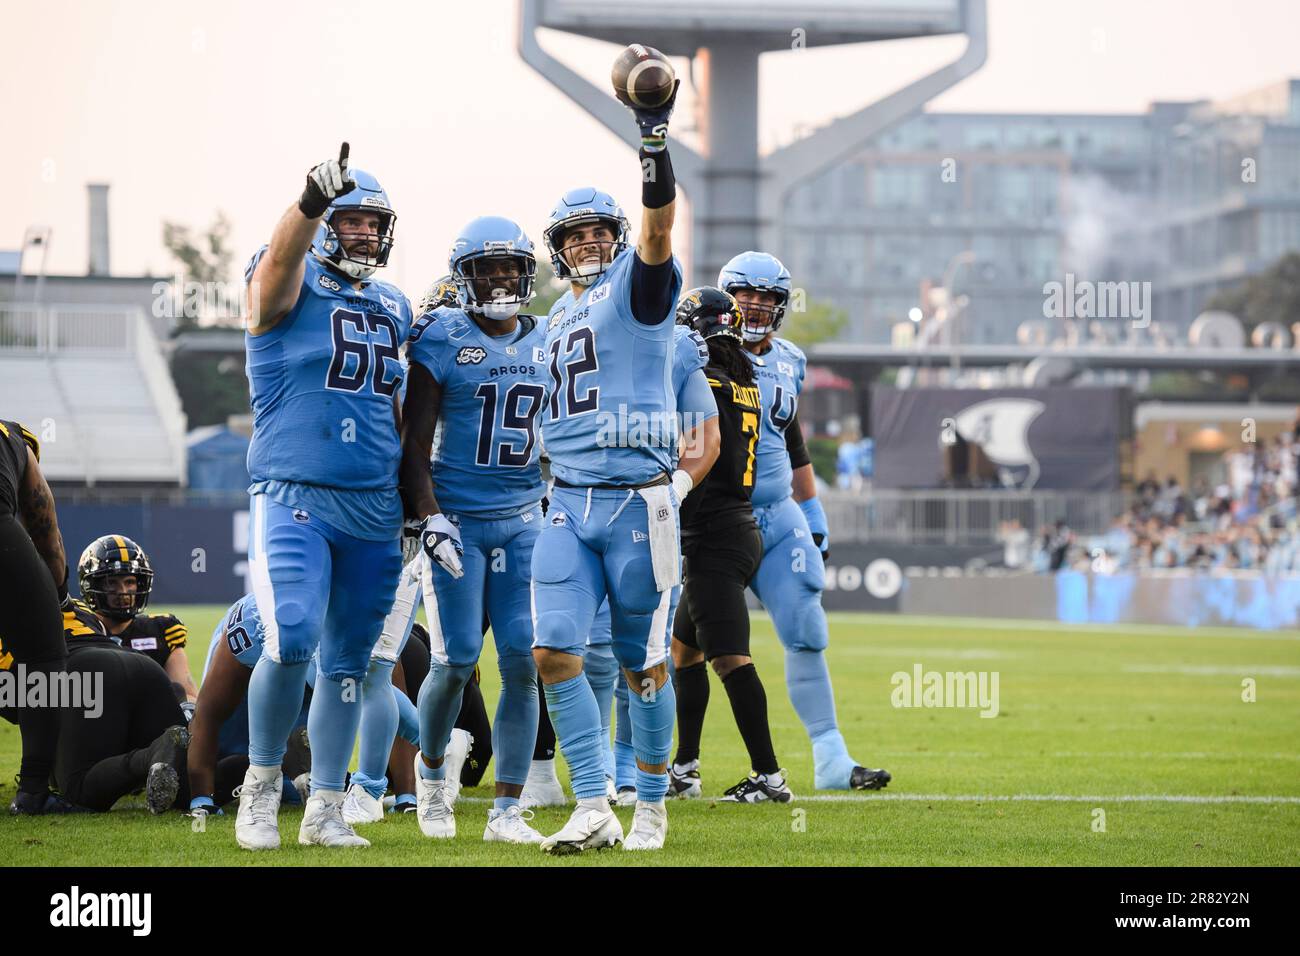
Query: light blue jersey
[[780, 375], [611, 418], [485, 453], [322, 389], [243, 630]]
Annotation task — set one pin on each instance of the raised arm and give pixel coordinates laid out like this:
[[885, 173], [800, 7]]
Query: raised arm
[[654, 245], [276, 282], [36, 511]]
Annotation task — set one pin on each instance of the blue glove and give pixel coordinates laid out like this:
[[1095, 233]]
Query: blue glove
[[821, 532], [653, 122]]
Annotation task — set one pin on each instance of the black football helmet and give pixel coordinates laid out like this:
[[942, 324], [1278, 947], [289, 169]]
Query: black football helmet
[[710, 311], [114, 554]]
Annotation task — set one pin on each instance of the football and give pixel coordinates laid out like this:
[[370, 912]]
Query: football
[[642, 77]]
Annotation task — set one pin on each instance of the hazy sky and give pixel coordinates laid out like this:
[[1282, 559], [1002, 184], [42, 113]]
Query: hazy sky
[[187, 108]]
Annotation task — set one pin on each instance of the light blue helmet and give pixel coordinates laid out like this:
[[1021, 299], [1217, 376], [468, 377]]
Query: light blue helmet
[[484, 239], [584, 206], [368, 196], [764, 273]]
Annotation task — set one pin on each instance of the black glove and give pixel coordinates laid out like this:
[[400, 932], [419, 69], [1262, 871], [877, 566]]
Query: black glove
[[326, 183], [653, 122]]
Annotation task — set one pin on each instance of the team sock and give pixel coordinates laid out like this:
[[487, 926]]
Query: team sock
[[332, 728], [624, 755], [652, 738], [439, 702], [408, 718], [692, 703], [808, 680], [602, 670], [544, 747], [572, 707], [516, 718], [274, 702], [749, 706], [379, 722]]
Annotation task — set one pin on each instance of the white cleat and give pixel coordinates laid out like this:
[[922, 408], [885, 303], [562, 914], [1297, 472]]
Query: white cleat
[[323, 824], [458, 747], [611, 792], [433, 805], [649, 827], [589, 828], [259, 804], [302, 783], [360, 807], [542, 788], [684, 781], [510, 826]]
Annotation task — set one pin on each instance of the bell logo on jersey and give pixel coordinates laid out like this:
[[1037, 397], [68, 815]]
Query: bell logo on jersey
[[327, 283], [470, 355], [144, 643], [785, 368], [389, 304], [598, 294], [539, 356]]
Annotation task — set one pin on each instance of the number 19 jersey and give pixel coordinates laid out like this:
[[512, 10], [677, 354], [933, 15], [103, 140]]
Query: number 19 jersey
[[611, 417], [486, 460]]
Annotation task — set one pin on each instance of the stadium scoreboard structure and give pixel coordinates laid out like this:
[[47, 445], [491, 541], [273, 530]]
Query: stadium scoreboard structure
[[736, 195]]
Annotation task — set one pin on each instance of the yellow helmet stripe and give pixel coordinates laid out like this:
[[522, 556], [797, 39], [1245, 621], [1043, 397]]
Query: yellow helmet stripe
[[121, 546]]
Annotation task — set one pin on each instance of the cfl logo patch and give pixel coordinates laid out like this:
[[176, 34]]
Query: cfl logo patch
[[470, 356], [662, 514]]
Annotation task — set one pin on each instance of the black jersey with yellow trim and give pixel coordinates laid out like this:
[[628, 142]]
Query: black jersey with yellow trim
[[81, 628], [723, 498], [154, 635], [14, 442]]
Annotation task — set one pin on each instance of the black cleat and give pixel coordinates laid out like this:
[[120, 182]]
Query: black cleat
[[864, 778], [760, 788], [39, 804], [684, 784], [167, 760]]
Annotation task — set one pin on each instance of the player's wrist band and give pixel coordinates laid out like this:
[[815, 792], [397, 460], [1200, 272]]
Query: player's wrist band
[[658, 185]]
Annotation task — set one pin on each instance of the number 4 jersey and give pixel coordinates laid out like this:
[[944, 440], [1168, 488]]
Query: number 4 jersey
[[779, 373], [322, 383], [485, 452]]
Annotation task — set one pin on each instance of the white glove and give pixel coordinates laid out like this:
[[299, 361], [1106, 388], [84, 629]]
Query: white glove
[[682, 484], [441, 541], [412, 532], [325, 183]]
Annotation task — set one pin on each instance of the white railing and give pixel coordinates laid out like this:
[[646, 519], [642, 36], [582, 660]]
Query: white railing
[[965, 516], [53, 328]]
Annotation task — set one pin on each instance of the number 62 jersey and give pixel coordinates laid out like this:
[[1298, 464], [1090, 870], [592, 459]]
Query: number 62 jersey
[[486, 456]]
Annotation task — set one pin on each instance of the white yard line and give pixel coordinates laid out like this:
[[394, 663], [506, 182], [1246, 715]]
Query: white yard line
[[1012, 624], [1008, 798]]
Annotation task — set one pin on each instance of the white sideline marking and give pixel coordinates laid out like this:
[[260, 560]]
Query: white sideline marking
[[1094, 754], [1044, 798], [1198, 670], [1007, 798], [1014, 624]]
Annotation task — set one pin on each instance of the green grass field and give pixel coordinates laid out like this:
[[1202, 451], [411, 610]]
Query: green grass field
[[1146, 725]]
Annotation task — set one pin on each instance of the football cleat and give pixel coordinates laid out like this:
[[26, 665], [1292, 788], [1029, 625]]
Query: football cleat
[[404, 806], [626, 797], [542, 788], [458, 747], [302, 783], [589, 828], [510, 826], [37, 804], [161, 786], [323, 823], [434, 812], [259, 803], [167, 759], [649, 827], [360, 807], [684, 781], [864, 778], [759, 788]]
